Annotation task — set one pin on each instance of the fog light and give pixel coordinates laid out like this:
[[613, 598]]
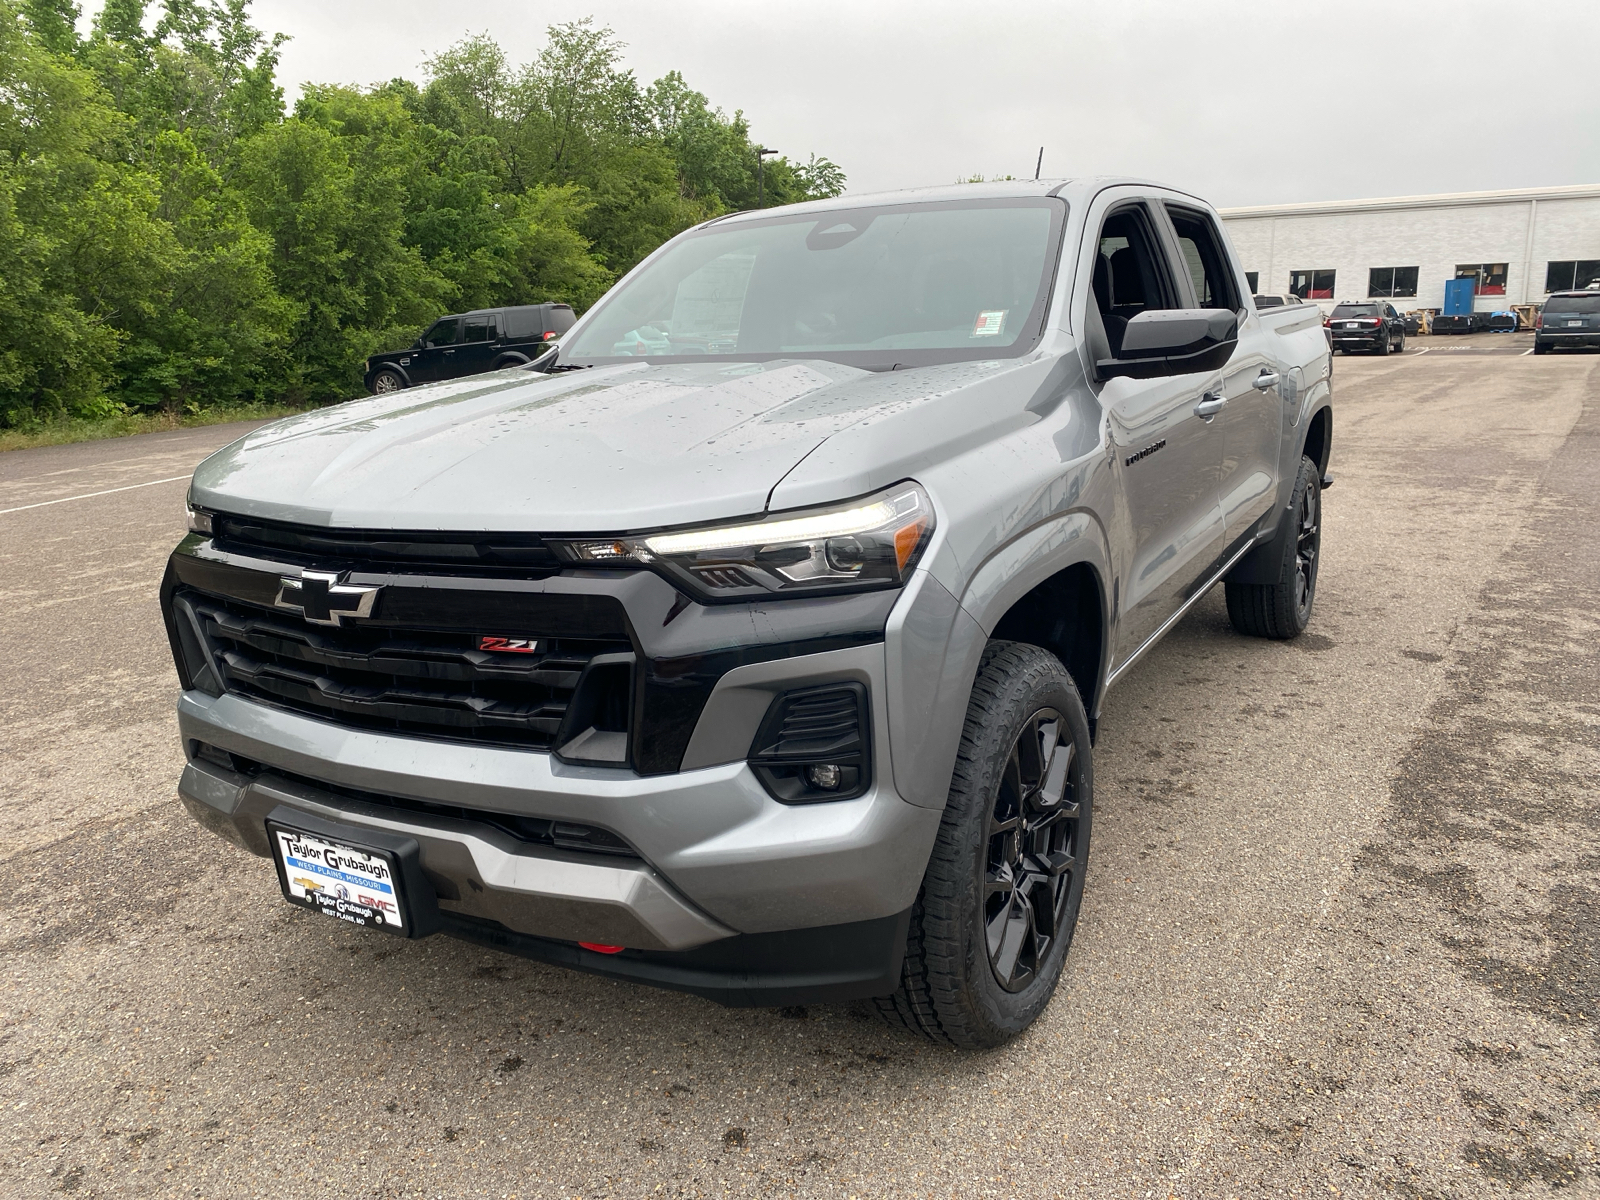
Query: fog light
[[824, 777]]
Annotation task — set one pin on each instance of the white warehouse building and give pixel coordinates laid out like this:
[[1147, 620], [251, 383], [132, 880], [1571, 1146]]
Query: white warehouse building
[[1518, 245]]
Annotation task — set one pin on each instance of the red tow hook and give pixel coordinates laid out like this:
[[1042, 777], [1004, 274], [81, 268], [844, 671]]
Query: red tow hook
[[602, 948]]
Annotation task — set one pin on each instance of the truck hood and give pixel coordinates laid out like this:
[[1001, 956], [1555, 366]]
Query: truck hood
[[608, 449]]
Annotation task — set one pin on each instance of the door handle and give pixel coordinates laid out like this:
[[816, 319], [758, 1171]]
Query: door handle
[[1210, 405], [1266, 381], [449, 351]]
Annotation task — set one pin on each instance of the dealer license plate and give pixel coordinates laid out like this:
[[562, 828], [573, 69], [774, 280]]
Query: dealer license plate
[[339, 880], [1574, 324]]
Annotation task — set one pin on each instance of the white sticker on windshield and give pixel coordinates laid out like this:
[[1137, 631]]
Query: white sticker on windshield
[[989, 324]]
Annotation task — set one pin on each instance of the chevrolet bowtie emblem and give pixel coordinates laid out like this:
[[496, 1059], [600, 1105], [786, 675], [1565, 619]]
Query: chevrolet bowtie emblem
[[323, 600]]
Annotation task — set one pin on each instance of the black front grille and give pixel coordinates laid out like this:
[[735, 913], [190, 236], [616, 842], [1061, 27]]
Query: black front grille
[[415, 681], [521, 555]]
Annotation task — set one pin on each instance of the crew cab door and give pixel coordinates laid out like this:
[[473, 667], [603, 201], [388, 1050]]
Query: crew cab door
[[1253, 383], [1166, 454]]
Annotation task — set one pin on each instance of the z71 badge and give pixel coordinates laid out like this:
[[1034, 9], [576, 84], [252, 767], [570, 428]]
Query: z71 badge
[[504, 645]]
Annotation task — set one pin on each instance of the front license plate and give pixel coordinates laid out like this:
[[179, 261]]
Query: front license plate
[[339, 880]]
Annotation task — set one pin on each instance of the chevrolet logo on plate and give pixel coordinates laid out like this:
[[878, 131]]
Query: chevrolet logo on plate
[[320, 598]]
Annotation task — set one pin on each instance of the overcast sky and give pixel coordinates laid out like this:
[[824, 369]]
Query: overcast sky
[[1244, 103]]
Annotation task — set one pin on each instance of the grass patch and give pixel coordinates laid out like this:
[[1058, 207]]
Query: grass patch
[[59, 433]]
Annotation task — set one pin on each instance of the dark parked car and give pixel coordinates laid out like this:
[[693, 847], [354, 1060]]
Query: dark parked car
[[1568, 319], [485, 339], [1366, 325]]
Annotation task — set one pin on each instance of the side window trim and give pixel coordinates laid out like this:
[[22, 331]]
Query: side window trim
[[1219, 246]]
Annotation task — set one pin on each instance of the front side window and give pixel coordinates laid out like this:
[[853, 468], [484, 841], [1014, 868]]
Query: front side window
[[1130, 273], [1572, 275], [1392, 281], [1312, 285], [444, 333], [1214, 285], [1489, 278], [874, 287]]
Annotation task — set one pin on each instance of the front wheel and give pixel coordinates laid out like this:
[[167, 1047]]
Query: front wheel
[[1282, 610], [995, 916], [385, 382]]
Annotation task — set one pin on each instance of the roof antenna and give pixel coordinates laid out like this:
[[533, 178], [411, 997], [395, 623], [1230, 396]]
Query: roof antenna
[[1039, 165]]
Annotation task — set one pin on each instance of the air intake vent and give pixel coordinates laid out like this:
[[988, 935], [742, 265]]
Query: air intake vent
[[814, 745]]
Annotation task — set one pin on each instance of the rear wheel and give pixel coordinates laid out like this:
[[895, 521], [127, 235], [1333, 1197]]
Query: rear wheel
[[387, 381], [1282, 610], [994, 919], [1400, 348], [1383, 346], [1540, 347]]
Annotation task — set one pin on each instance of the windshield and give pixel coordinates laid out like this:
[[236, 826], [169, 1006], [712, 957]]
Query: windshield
[[1571, 304], [1355, 310], [874, 287]]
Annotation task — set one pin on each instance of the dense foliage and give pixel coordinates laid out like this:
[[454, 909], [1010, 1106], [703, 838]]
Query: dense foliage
[[171, 238]]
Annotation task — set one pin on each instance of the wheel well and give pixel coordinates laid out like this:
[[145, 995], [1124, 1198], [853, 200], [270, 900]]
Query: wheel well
[[1066, 616], [1319, 439]]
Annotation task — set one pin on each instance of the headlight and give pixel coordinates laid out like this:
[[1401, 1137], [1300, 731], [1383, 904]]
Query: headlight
[[869, 543], [199, 520]]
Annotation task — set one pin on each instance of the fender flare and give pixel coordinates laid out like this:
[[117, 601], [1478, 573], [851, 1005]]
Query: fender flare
[[934, 643], [1263, 564]]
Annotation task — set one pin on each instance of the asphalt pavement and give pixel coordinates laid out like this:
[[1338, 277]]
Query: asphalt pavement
[[1340, 934]]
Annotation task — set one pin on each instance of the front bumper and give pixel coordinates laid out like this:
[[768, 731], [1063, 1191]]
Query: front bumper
[[717, 856]]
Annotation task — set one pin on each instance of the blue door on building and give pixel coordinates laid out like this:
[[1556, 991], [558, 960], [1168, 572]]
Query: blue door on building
[[1458, 296]]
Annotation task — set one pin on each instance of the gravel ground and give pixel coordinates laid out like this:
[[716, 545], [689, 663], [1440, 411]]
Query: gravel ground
[[1340, 935]]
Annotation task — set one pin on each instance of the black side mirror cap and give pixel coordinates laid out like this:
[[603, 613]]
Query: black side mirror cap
[[1174, 341]]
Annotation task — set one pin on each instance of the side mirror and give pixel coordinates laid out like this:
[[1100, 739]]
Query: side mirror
[[1174, 341], [418, 345]]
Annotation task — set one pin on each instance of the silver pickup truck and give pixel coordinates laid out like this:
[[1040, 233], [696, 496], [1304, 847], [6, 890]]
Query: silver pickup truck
[[752, 642]]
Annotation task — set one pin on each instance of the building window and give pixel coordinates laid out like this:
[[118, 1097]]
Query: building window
[[1392, 281], [1490, 278], [1250, 278], [1312, 285], [1572, 276]]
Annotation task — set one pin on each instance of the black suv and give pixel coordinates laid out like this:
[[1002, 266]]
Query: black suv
[[1568, 319], [1366, 325], [485, 339]]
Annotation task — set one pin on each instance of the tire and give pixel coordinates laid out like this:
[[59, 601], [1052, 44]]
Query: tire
[[1540, 347], [509, 360], [1401, 348], [1282, 610], [960, 985], [385, 382], [1382, 348]]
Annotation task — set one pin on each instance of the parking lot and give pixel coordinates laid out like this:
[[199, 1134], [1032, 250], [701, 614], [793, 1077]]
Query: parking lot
[[1339, 937]]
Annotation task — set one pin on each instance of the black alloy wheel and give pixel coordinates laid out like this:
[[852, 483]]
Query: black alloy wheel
[[1307, 548], [1033, 856], [993, 921]]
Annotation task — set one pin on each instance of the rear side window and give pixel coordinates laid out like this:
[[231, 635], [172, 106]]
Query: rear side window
[[523, 323], [478, 328], [561, 317], [1201, 244], [1572, 304]]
